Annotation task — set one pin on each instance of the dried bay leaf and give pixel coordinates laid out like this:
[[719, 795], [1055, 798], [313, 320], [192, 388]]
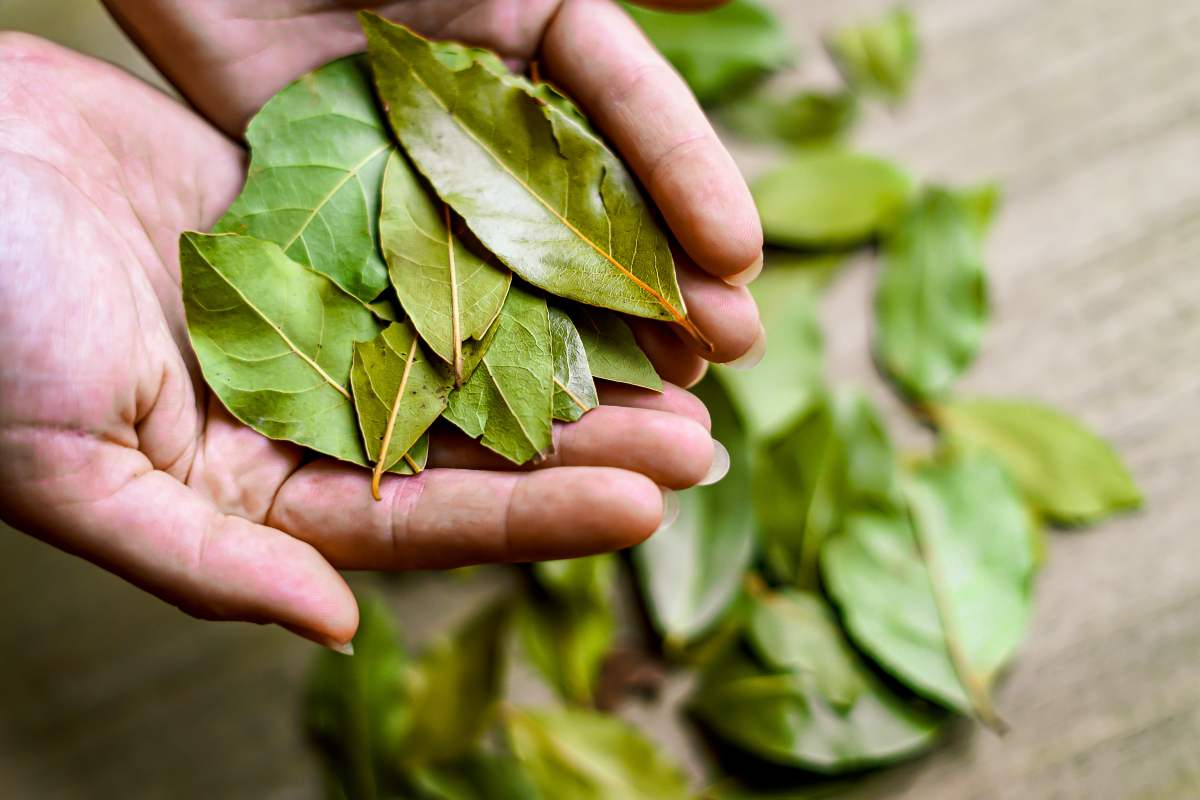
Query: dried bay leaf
[[939, 593], [878, 57], [508, 402], [931, 299], [829, 197], [540, 191], [806, 118], [317, 154], [1064, 470], [574, 389], [398, 394], [449, 292], [274, 340], [612, 352]]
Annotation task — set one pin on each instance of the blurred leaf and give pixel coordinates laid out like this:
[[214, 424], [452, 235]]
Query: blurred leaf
[[828, 197], [788, 379], [585, 755], [454, 689], [691, 571], [567, 628], [835, 460], [613, 354], [931, 301], [878, 57], [805, 118], [815, 704], [574, 389], [721, 51], [1065, 471], [940, 597], [317, 153], [356, 707], [478, 777]]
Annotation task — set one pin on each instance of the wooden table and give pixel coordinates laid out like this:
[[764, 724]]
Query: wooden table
[[1088, 113]]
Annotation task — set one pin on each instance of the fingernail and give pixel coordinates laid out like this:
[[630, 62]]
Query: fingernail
[[670, 509], [346, 648], [747, 275], [755, 354], [720, 465]]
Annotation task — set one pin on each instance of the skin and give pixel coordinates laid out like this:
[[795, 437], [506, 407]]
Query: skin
[[114, 448]]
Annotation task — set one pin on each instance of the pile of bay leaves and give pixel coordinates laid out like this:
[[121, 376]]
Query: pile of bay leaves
[[834, 603], [361, 286]]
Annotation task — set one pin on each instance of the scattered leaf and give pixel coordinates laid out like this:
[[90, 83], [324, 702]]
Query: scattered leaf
[[585, 755], [828, 198], [931, 301], [274, 340], [691, 571], [809, 702], [1065, 471], [574, 389], [480, 776], [450, 293], [317, 152], [720, 51], [806, 118], [939, 596], [613, 354], [540, 191], [878, 57], [508, 400]]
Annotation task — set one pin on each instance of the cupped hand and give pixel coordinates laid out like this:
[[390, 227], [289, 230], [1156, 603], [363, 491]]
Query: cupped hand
[[229, 57], [115, 450]]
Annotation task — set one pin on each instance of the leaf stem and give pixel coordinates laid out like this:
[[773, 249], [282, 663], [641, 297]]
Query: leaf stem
[[381, 463], [574, 398], [455, 322]]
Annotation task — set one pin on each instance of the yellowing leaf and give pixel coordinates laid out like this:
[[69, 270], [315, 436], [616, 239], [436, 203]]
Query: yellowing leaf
[[450, 293], [538, 189], [274, 340]]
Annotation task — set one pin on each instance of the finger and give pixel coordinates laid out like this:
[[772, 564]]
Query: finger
[[599, 55], [445, 518], [675, 361], [164, 537], [671, 399], [671, 450], [726, 315]]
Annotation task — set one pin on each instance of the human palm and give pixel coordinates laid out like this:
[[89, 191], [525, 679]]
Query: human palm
[[115, 450]]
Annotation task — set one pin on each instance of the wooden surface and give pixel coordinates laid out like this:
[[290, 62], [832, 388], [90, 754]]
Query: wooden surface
[[1088, 113]]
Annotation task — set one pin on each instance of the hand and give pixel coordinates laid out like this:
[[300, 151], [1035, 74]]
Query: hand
[[229, 57], [115, 450]]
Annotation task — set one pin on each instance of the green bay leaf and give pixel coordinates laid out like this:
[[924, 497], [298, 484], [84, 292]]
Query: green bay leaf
[[829, 197], [574, 389], [508, 402], [931, 299], [449, 292], [274, 340], [317, 154], [612, 351], [398, 393], [1067, 473], [540, 191], [939, 595], [879, 56], [806, 118]]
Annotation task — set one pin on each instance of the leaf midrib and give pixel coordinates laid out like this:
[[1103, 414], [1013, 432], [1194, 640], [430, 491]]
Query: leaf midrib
[[351, 172]]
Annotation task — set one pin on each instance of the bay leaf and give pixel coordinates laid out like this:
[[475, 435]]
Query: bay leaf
[[566, 626], [449, 292], [1065, 471], [508, 402], [830, 462], [720, 51], [807, 700], [612, 351], [317, 154], [479, 776], [931, 299], [574, 754], [788, 380], [828, 197], [574, 389], [807, 118], [878, 56], [940, 595], [690, 572], [274, 340], [398, 393], [543, 194]]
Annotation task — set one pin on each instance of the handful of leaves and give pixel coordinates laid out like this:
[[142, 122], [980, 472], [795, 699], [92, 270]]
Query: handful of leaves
[[424, 234]]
